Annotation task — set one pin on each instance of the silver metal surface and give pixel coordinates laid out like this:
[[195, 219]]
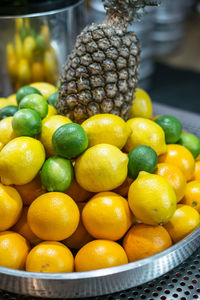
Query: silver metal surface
[[169, 26], [63, 25], [106, 281]]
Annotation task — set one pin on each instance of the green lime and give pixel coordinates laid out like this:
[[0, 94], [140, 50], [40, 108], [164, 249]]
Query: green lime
[[141, 158], [24, 91], [23, 33], [70, 140], [172, 128], [40, 43], [26, 122], [8, 111], [53, 99], [35, 102], [191, 142], [57, 174]]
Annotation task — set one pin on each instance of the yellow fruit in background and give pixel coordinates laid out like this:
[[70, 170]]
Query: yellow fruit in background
[[45, 88], [24, 229], [192, 195], [12, 64], [142, 106], [10, 207], [152, 199], [198, 158], [18, 46], [6, 131], [18, 24], [49, 126], [51, 111], [180, 157], [106, 129], [28, 48], [100, 254], [185, 220], [10, 49], [20, 160], [13, 250], [37, 71], [101, 168], [174, 176], [107, 216], [77, 193], [30, 191], [145, 132], [45, 32], [53, 216], [50, 257], [80, 237], [11, 100], [24, 71]]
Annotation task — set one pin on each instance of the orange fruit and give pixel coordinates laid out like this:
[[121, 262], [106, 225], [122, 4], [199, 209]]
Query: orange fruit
[[180, 157], [198, 158], [100, 254], [192, 195], [10, 206], [77, 193], [30, 191], [145, 240], [184, 221], [197, 171], [50, 257], [13, 250], [107, 216], [124, 187], [80, 237], [53, 216], [24, 229], [37, 72], [174, 176]]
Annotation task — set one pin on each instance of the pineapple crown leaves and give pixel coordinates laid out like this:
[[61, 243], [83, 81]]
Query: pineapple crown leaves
[[128, 9]]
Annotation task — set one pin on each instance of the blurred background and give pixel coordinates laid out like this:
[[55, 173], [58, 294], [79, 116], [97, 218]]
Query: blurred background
[[36, 37]]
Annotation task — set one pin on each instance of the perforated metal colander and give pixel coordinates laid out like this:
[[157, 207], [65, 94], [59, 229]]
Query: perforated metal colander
[[182, 283]]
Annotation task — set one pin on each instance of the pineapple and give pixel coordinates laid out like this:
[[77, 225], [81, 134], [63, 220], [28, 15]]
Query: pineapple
[[101, 74]]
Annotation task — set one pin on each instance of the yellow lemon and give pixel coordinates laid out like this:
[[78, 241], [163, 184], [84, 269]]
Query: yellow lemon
[[152, 199], [51, 111], [185, 220], [28, 47], [21, 160], [6, 131], [101, 168], [106, 129], [3, 102], [45, 88], [10, 207], [49, 126], [146, 132], [11, 100], [142, 106], [24, 71]]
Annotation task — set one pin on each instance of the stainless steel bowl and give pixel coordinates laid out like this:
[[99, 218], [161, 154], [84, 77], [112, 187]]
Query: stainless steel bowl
[[58, 27], [106, 281]]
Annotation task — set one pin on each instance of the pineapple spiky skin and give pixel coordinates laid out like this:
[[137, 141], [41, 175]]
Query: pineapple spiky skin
[[101, 74]]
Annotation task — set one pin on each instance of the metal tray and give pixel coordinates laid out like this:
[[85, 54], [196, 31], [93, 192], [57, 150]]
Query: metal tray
[[106, 281]]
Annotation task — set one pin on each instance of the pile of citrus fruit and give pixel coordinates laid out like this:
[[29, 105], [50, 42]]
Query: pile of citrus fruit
[[96, 195]]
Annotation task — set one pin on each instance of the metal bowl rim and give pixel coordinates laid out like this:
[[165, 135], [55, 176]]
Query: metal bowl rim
[[102, 272]]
